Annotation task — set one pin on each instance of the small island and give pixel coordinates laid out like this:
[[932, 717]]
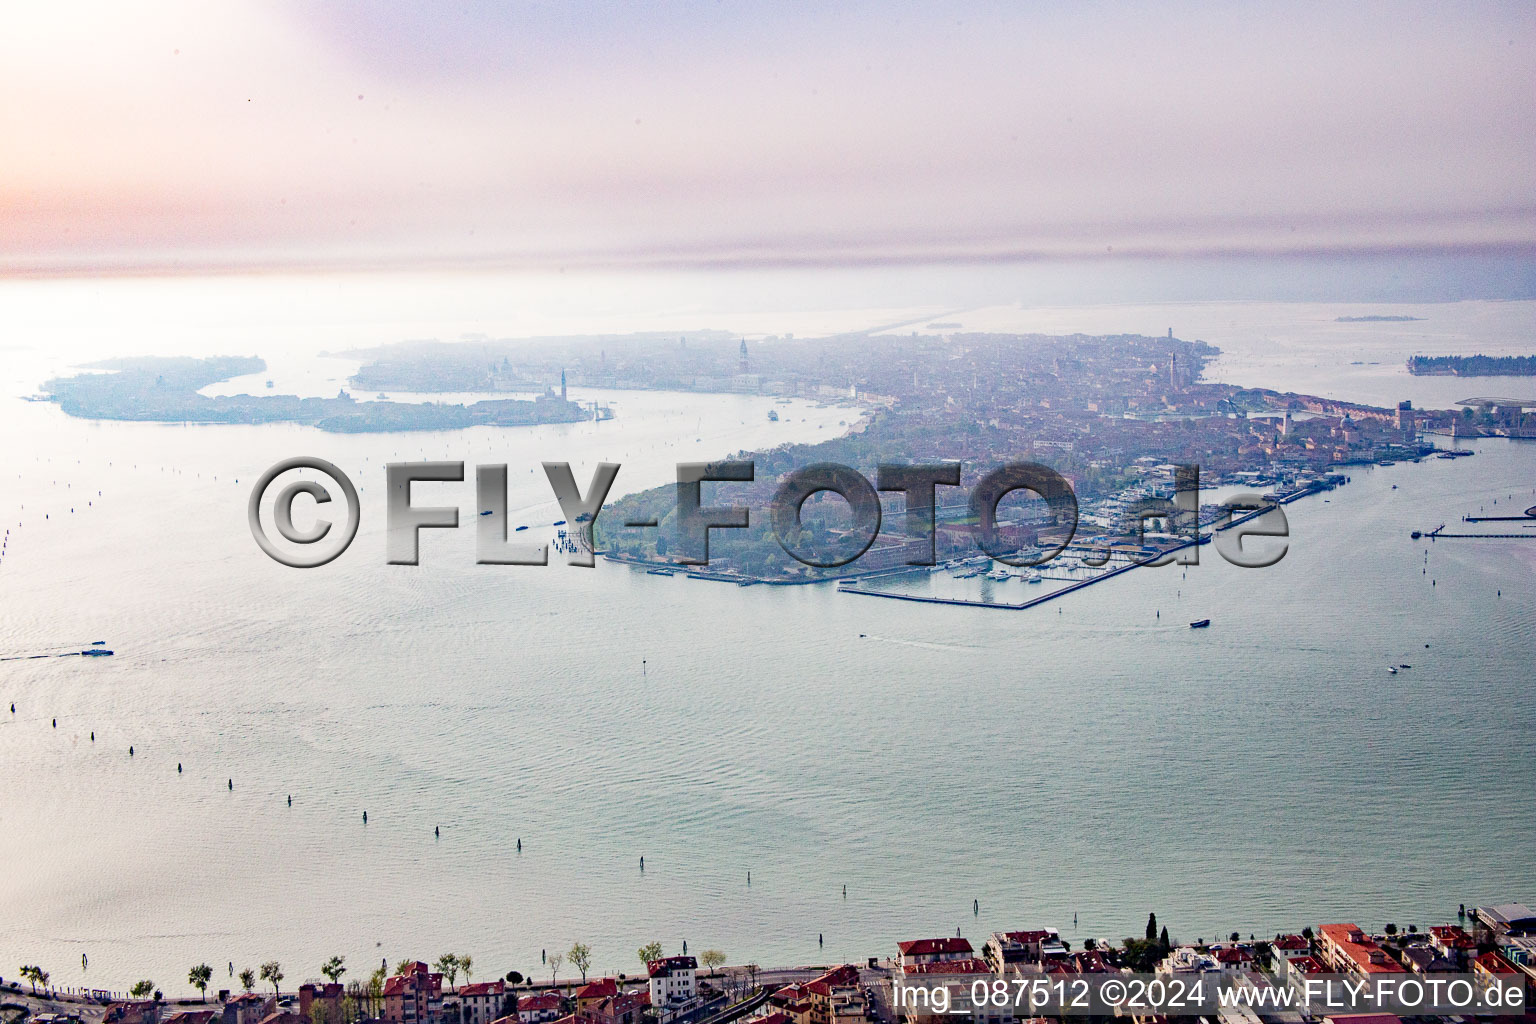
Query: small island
[[167, 390], [1472, 366]]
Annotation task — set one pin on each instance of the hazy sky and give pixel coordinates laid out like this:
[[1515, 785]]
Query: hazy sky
[[195, 134]]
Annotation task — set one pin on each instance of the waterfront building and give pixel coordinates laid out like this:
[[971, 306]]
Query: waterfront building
[[1347, 949], [674, 989], [1507, 919], [1189, 960], [1013, 949], [536, 1009], [594, 992], [1289, 947], [482, 1002], [928, 951], [1453, 943], [415, 997]]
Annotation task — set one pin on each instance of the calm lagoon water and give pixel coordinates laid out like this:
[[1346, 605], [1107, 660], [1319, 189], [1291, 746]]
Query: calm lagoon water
[[1083, 758]]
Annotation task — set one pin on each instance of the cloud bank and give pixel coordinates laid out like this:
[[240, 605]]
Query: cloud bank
[[179, 135]]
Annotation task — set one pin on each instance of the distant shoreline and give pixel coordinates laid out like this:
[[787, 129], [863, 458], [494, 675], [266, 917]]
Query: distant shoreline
[[1472, 366]]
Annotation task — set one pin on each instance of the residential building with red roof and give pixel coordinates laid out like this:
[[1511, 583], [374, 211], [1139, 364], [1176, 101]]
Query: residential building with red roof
[[927, 951], [794, 1001], [1347, 949], [594, 992], [1297, 970], [482, 1002], [947, 968], [415, 997], [1491, 966], [1289, 947], [1235, 958], [1089, 961], [835, 997], [192, 1017], [619, 1008], [538, 1009], [247, 1008], [673, 986], [1453, 942]]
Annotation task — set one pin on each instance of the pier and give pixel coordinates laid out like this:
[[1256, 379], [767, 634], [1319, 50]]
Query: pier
[[845, 587]]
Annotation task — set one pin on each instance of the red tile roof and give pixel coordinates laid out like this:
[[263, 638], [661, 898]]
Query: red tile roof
[[1494, 963], [1289, 942], [190, 1017], [970, 965], [543, 1002], [1453, 936], [933, 947], [598, 988], [1365, 953], [667, 964], [484, 988]]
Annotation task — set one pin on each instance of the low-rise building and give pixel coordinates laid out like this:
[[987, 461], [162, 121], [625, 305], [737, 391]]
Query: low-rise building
[[1189, 960], [1453, 943], [1289, 947], [247, 1008], [324, 997], [594, 992], [1507, 919], [482, 1002], [1004, 950], [1235, 958], [538, 1009], [1424, 958], [619, 1008], [928, 951]]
